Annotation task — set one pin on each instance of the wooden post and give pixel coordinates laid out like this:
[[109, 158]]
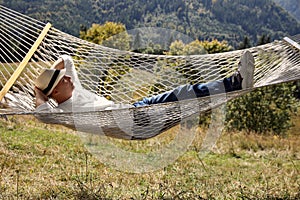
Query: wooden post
[[24, 62], [291, 42]]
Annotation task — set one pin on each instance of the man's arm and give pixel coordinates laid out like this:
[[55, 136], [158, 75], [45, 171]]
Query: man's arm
[[40, 97]]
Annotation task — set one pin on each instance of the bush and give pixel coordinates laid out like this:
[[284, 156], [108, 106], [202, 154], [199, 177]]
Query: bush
[[265, 110]]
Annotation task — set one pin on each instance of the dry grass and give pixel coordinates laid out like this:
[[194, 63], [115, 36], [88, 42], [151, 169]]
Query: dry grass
[[39, 161]]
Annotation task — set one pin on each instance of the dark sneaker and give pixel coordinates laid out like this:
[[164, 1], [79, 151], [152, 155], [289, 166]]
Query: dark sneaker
[[246, 69]]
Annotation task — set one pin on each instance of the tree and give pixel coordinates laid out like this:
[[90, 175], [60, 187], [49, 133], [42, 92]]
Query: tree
[[245, 44], [137, 43], [264, 39], [176, 48], [216, 46], [152, 48], [198, 47], [267, 110], [110, 34], [194, 48]]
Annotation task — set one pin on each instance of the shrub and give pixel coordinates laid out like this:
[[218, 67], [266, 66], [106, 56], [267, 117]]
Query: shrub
[[265, 110]]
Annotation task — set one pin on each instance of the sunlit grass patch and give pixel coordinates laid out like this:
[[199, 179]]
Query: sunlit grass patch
[[39, 161]]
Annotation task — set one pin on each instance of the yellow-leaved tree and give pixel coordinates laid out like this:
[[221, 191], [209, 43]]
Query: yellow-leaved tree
[[110, 34]]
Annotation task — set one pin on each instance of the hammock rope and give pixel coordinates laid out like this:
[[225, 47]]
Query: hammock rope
[[125, 77]]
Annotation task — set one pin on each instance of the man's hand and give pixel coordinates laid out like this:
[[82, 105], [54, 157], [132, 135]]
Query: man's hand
[[59, 64], [40, 97]]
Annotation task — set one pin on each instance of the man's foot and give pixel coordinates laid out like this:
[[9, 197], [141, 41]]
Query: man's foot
[[246, 69]]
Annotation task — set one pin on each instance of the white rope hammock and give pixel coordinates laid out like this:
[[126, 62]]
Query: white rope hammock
[[124, 77]]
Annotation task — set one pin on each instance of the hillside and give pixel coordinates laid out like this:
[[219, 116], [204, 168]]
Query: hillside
[[203, 19], [292, 6]]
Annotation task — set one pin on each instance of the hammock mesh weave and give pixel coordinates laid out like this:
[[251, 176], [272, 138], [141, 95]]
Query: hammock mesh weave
[[125, 77]]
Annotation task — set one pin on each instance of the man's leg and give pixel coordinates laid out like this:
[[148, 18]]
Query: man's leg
[[246, 67], [193, 91]]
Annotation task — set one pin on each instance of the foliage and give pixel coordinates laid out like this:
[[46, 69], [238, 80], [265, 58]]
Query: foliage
[[216, 46], [264, 39], [204, 20], [266, 110], [110, 34], [198, 47], [150, 48], [245, 44], [176, 48], [194, 48], [293, 6]]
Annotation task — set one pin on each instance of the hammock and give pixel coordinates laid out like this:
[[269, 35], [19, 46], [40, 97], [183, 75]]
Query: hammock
[[28, 45]]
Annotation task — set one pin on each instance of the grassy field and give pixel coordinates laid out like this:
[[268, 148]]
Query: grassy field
[[39, 161]]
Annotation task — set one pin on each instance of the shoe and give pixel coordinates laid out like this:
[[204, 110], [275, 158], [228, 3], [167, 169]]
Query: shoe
[[246, 69]]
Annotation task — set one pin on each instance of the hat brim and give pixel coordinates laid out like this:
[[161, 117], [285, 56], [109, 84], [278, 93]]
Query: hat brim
[[61, 74]]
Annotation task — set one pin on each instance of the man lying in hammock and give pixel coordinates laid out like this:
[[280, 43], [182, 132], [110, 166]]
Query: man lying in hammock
[[61, 84]]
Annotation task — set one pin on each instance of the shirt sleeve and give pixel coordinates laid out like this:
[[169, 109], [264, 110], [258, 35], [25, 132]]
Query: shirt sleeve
[[70, 70], [47, 107], [43, 110]]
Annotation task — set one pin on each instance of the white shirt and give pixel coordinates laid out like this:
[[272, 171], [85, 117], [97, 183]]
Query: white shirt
[[81, 100]]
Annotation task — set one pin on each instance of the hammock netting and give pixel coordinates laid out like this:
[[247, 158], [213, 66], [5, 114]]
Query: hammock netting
[[125, 77]]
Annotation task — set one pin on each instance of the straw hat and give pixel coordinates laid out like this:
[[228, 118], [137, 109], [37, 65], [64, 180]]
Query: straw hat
[[48, 80]]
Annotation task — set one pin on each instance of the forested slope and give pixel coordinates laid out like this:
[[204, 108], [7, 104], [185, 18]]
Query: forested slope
[[292, 6], [201, 19]]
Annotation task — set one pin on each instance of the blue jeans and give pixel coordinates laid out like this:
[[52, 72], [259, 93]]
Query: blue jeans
[[184, 92]]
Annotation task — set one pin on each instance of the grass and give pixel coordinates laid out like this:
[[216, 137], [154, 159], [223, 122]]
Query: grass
[[39, 161]]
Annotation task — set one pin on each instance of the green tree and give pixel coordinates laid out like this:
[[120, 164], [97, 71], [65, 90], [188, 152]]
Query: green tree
[[110, 34], [194, 48], [197, 47], [216, 46], [205, 19], [264, 39], [176, 48], [154, 49], [292, 6], [137, 43], [245, 44], [267, 110]]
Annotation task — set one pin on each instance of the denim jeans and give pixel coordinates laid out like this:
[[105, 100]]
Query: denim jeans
[[184, 92]]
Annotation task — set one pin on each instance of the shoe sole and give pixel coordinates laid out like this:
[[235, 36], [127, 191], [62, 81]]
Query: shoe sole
[[247, 69]]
